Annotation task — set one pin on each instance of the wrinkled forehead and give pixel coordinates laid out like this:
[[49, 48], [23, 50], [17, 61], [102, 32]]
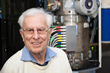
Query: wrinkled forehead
[[35, 21], [34, 16]]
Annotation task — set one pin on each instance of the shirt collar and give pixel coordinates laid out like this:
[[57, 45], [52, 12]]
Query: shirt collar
[[26, 56]]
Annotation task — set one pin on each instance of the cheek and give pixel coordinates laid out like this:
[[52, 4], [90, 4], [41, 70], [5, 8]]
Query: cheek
[[45, 38], [26, 38]]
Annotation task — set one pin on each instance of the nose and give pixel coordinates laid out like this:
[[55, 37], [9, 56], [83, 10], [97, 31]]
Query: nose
[[35, 35]]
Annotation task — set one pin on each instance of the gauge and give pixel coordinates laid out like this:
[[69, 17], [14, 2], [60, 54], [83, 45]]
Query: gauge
[[69, 4]]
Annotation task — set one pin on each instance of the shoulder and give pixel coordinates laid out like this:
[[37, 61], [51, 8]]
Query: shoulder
[[16, 57], [59, 52], [62, 58], [12, 63]]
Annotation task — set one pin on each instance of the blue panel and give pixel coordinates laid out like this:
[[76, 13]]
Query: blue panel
[[105, 27], [0, 13], [0, 16], [97, 0]]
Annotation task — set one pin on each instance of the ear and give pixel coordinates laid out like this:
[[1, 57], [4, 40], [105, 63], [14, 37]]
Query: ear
[[50, 31], [21, 32]]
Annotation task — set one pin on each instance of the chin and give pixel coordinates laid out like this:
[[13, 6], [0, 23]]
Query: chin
[[38, 50]]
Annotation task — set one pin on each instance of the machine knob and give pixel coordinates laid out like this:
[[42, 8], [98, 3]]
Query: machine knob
[[89, 4]]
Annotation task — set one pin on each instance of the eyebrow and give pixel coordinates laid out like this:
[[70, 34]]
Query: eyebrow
[[37, 28], [28, 27]]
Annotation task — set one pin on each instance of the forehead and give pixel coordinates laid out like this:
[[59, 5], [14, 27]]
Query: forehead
[[38, 20]]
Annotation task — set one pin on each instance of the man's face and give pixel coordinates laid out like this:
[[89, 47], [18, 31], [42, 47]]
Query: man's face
[[35, 43]]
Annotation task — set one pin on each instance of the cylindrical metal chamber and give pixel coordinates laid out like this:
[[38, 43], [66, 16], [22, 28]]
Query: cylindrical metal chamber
[[80, 57]]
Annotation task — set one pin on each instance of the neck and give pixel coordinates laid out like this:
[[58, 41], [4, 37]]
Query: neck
[[40, 57]]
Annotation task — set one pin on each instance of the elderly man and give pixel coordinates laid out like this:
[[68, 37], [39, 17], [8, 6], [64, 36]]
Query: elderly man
[[36, 57]]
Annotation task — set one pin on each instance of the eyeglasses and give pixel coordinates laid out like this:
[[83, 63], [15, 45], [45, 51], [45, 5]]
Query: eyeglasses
[[39, 31]]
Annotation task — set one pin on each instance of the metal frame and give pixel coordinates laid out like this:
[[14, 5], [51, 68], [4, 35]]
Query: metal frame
[[100, 46]]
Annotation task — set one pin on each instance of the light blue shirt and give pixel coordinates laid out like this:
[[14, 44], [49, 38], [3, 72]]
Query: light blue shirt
[[26, 56]]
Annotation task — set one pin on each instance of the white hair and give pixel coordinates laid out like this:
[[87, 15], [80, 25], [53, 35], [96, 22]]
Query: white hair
[[34, 11]]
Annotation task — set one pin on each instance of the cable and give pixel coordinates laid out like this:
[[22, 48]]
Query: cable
[[55, 36], [60, 31], [58, 43], [61, 42], [60, 39], [54, 42], [61, 35], [60, 46], [53, 30], [59, 28], [63, 48], [49, 40]]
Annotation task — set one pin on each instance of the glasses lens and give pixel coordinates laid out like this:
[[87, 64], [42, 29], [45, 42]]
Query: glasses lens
[[29, 31], [41, 31]]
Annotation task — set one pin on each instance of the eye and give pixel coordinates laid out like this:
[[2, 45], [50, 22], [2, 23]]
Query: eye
[[40, 29], [30, 30]]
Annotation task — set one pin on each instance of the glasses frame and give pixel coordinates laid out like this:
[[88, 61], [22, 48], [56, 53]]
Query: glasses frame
[[35, 30]]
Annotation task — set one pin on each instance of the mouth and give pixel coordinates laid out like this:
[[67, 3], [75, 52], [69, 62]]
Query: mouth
[[36, 44]]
